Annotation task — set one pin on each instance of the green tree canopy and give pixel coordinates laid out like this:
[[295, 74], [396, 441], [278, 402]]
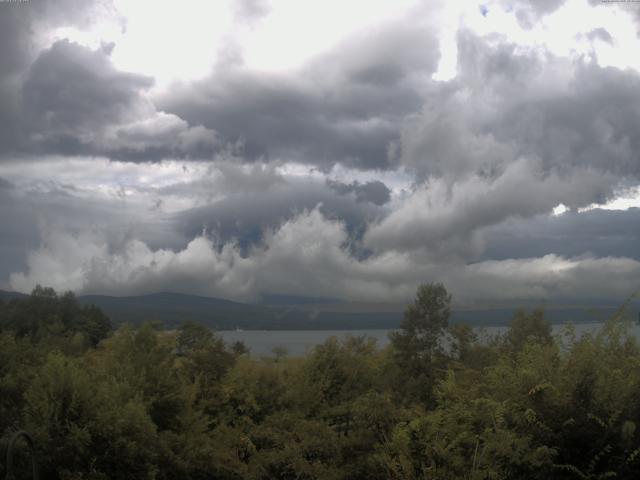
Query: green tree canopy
[[417, 344]]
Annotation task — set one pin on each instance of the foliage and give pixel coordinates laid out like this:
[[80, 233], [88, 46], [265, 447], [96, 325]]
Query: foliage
[[59, 320], [438, 403], [417, 345]]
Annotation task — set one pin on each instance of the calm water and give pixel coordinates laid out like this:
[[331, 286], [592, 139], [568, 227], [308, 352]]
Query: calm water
[[298, 342]]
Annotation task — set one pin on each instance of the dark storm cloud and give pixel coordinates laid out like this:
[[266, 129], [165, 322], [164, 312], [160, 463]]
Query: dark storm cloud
[[245, 217], [76, 103], [375, 192], [346, 106], [22, 27], [15, 42], [276, 117], [70, 88], [70, 100], [5, 184], [600, 233], [22, 23]]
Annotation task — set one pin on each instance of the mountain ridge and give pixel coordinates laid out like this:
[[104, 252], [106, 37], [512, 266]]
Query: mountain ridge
[[172, 308]]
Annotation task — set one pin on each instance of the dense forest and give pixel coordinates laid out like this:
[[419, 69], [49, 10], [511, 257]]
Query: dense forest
[[438, 403]]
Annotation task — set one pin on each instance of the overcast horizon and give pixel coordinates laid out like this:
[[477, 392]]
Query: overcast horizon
[[348, 150]]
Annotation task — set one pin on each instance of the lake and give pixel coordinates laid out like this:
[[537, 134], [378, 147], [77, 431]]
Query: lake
[[298, 342]]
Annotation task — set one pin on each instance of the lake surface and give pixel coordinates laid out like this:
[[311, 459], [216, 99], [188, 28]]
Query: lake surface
[[299, 342]]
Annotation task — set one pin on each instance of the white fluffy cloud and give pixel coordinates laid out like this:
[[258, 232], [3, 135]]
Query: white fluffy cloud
[[309, 253]]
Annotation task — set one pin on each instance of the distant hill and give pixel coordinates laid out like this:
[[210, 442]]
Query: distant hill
[[173, 308], [11, 295], [296, 300], [306, 313]]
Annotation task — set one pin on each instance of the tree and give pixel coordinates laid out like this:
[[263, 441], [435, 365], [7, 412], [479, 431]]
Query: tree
[[93, 323], [193, 336], [524, 327], [205, 360], [239, 348], [56, 320], [86, 424], [3, 315], [417, 343], [425, 321], [463, 338]]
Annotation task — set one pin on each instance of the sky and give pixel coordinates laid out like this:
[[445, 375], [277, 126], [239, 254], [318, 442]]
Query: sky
[[347, 150]]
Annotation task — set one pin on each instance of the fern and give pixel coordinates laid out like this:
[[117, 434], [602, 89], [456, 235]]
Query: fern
[[598, 456], [571, 469], [633, 455]]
